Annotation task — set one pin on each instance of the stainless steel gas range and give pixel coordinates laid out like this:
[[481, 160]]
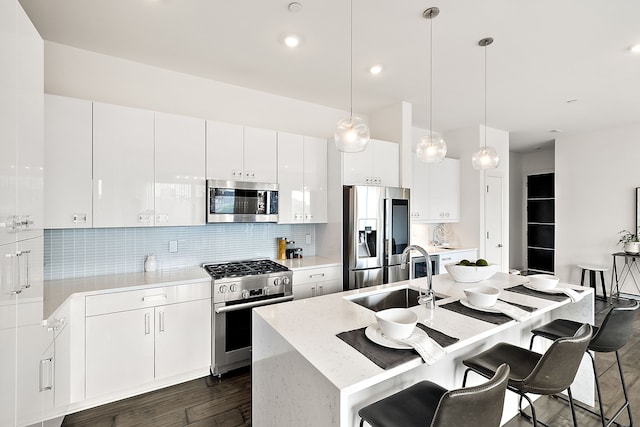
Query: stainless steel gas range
[[238, 287]]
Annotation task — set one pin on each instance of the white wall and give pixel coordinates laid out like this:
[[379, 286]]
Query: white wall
[[462, 143], [523, 164], [83, 74], [596, 177]]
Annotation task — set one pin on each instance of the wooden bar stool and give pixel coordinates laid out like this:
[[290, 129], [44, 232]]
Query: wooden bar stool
[[593, 270]]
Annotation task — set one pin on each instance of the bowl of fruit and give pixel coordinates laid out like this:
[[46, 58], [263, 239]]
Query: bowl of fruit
[[467, 271]]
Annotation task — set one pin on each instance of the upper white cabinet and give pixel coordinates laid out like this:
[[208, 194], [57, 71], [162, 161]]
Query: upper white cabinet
[[238, 153], [21, 122], [123, 162], [379, 164], [302, 179], [435, 193], [67, 156], [179, 170]]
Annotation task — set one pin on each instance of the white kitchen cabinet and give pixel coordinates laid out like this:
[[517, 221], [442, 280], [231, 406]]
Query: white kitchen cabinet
[[179, 170], [302, 179], [119, 349], [21, 122], [379, 164], [67, 157], [225, 151], [290, 178], [260, 155], [435, 191], [317, 281], [123, 166], [134, 338], [238, 153]]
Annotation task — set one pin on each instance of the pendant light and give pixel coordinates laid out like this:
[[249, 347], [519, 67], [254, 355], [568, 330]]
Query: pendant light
[[486, 157], [352, 133], [431, 148]]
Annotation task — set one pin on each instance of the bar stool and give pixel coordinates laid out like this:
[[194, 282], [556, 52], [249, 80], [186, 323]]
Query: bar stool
[[531, 372], [428, 404], [611, 336], [592, 269]]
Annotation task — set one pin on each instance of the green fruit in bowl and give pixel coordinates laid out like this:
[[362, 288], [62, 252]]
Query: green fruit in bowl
[[482, 263], [464, 262]]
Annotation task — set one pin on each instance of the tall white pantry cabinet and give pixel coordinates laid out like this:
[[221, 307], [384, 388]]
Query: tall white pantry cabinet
[[25, 362]]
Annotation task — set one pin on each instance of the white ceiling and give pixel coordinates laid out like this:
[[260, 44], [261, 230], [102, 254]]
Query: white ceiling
[[545, 53]]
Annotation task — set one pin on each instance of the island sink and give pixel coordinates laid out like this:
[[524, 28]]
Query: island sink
[[400, 298]]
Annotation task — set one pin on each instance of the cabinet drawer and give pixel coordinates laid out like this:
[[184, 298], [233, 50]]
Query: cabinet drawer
[[151, 297], [315, 275]]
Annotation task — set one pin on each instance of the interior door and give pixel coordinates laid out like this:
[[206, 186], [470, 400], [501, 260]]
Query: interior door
[[494, 246]]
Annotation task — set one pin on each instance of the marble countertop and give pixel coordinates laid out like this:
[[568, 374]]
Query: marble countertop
[[308, 262], [310, 325], [56, 292]]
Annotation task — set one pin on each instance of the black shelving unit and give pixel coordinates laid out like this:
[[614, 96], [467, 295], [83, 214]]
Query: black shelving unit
[[541, 223]]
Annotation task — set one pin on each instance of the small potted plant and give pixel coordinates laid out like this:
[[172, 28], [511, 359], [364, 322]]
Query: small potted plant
[[630, 242]]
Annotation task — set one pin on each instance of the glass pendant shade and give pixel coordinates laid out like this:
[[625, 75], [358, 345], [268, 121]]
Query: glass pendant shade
[[431, 149], [485, 158], [352, 135]]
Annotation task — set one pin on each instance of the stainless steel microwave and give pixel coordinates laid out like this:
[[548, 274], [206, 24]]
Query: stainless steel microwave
[[241, 201]]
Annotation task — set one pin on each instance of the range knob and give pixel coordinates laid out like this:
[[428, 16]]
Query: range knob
[[223, 289], [233, 287], [285, 280], [245, 294], [276, 281]]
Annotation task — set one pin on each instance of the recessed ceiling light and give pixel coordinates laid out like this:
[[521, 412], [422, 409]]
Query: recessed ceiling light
[[635, 48], [292, 40], [375, 69]]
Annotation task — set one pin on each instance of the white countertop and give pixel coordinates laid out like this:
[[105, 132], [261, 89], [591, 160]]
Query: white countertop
[[56, 292], [308, 262], [310, 326]]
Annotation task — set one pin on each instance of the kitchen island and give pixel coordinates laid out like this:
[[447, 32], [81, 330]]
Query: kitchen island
[[303, 374]]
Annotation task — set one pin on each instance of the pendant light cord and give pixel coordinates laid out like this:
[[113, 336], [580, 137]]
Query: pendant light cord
[[485, 96], [351, 61], [430, 79]]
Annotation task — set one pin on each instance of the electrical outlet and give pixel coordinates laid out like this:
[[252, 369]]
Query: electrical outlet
[[307, 239], [173, 246]]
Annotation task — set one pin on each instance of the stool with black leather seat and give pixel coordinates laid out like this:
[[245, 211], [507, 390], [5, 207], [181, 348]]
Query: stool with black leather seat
[[531, 372], [428, 404], [611, 336]]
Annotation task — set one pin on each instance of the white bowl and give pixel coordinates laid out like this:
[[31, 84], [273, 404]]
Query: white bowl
[[470, 274], [482, 296], [543, 282], [397, 323]]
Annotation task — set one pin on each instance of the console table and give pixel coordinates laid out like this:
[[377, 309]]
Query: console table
[[630, 268]]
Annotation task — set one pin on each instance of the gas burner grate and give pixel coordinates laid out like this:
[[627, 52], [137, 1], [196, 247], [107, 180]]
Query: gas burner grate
[[244, 268]]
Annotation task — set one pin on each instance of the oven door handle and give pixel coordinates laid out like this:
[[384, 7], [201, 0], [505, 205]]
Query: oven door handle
[[236, 307]]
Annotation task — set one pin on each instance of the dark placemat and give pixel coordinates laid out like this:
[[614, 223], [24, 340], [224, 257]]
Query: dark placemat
[[386, 357], [521, 289], [495, 318]]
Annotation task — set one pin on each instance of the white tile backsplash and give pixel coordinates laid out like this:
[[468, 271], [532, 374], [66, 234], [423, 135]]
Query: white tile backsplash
[[86, 252]]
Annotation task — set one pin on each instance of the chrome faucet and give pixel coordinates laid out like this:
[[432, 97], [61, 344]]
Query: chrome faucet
[[429, 298]]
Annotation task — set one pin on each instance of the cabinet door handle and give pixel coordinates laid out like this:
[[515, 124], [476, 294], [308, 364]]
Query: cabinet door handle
[[79, 218], [49, 373], [320, 290], [147, 323], [313, 291], [311, 276], [161, 318], [154, 297], [446, 259]]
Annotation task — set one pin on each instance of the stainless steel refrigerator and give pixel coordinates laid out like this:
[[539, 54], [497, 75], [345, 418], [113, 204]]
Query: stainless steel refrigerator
[[376, 229]]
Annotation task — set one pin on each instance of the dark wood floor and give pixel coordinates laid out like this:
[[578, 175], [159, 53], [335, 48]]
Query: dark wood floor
[[226, 402]]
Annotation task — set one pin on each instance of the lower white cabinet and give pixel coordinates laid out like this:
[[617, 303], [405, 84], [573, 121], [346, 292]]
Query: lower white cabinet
[[314, 282], [166, 336]]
